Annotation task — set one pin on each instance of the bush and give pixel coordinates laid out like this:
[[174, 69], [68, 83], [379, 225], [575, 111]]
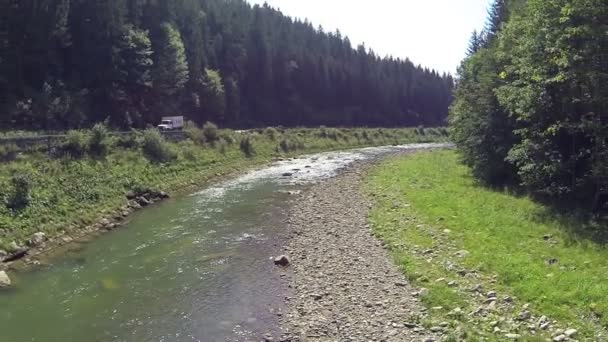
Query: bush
[[287, 144], [194, 133], [189, 150], [99, 140], [246, 145], [75, 144], [228, 136], [8, 152], [271, 133], [21, 197], [131, 140], [155, 147], [330, 133], [222, 146], [420, 130], [210, 132]]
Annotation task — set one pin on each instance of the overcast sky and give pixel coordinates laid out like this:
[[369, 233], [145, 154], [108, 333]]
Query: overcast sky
[[434, 33]]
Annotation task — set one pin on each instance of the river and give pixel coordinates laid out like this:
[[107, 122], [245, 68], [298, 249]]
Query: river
[[197, 267]]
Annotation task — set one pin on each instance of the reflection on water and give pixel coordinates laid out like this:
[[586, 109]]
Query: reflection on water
[[195, 268]]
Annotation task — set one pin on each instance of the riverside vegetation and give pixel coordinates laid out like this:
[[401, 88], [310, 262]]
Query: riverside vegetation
[[88, 175], [493, 264]]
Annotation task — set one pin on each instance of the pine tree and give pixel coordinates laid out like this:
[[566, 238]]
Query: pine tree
[[171, 68]]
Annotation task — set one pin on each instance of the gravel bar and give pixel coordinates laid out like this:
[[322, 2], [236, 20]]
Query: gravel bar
[[345, 284]]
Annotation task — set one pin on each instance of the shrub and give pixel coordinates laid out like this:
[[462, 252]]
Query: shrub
[[130, 140], [75, 144], [210, 132], [8, 152], [99, 140], [189, 150], [193, 132], [21, 197], [246, 145], [420, 130], [228, 136], [271, 133], [155, 147], [222, 146], [293, 144]]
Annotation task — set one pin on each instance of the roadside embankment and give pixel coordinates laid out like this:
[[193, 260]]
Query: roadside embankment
[[92, 181]]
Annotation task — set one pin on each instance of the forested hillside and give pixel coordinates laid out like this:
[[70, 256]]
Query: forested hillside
[[70, 63], [531, 103]]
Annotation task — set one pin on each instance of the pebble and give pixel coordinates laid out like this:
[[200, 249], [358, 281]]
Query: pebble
[[347, 287]]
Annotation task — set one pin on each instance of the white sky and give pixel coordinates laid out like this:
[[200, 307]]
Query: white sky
[[434, 33]]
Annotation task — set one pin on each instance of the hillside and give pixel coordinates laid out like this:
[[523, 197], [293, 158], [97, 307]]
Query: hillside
[[71, 63]]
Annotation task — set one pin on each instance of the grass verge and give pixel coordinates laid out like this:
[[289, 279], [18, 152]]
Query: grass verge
[[460, 241], [87, 177]]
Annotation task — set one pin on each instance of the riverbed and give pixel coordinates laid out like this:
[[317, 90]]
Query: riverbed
[[195, 268]]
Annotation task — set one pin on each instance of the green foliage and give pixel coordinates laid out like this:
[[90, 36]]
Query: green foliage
[[76, 144], [272, 133], [210, 132], [331, 133], [22, 188], [291, 144], [222, 61], [246, 145], [99, 141], [171, 67], [73, 193], [213, 95], [194, 133], [8, 152], [420, 196], [531, 106], [156, 148], [480, 127]]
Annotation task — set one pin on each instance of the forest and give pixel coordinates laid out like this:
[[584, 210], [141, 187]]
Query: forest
[[71, 63], [531, 104]]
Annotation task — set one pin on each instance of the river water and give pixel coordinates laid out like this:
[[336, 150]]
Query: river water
[[194, 268]]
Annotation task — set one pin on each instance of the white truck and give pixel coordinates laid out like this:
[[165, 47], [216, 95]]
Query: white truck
[[171, 123]]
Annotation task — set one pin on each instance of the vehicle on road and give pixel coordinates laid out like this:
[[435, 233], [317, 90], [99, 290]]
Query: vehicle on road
[[171, 123]]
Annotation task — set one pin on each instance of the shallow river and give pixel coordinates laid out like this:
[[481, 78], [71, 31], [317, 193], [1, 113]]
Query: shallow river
[[194, 268]]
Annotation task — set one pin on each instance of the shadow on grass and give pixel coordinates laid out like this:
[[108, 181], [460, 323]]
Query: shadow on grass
[[571, 216]]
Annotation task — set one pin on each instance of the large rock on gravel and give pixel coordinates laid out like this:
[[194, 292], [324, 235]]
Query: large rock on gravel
[[282, 260], [5, 281]]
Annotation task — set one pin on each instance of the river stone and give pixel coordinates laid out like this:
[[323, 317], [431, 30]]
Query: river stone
[[5, 281], [571, 332], [282, 260], [37, 239], [130, 195]]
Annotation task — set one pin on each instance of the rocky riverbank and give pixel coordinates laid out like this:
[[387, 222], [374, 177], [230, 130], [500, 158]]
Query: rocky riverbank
[[346, 287]]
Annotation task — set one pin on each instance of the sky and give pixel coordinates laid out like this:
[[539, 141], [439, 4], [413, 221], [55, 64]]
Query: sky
[[434, 33]]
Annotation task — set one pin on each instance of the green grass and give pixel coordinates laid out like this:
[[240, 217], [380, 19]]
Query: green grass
[[69, 193], [420, 196]]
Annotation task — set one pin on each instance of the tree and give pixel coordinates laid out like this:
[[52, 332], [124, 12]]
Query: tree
[[213, 97], [171, 68]]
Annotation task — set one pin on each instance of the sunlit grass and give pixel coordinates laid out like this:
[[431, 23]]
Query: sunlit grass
[[507, 236]]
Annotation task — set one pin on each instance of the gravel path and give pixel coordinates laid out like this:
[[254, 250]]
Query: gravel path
[[346, 287]]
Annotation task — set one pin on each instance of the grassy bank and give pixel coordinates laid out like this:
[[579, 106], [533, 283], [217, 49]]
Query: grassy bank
[[87, 176], [459, 241]]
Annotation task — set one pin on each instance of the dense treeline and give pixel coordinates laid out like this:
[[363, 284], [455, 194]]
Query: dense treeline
[[531, 103], [70, 63]]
